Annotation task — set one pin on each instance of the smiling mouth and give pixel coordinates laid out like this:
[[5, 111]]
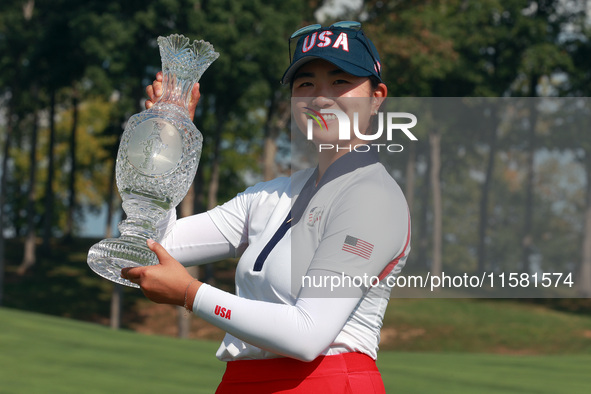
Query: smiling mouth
[[328, 117], [323, 117]]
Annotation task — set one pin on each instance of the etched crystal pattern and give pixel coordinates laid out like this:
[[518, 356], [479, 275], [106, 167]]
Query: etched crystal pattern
[[186, 60], [157, 159], [146, 181]]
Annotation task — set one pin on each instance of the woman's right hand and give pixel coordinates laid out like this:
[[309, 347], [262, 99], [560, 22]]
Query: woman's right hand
[[154, 91]]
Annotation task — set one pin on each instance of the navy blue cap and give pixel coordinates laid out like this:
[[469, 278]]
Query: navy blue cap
[[348, 49]]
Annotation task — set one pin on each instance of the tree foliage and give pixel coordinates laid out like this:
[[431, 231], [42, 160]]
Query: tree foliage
[[102, 54]]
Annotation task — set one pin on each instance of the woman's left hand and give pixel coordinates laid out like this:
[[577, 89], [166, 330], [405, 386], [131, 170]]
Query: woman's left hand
[[164, 283], [154, 91]]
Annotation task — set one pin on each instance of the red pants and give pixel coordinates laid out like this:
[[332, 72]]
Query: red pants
[[350, 373]]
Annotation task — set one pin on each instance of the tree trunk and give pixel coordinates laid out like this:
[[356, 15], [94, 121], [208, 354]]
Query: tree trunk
[[28, 9], [187, 207], [411, 166], [199, 205], [270, 144], [484, 197], [72, 182], [49, 194], [116, 306], [435, 144], [110, 203], [3, 181], [528, 239], [117, 292], [29, 257], [214, 182], [423, 222], [270, 150], [583, 284]]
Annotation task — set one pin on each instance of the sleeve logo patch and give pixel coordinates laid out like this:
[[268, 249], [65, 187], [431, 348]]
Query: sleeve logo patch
[[314, 216], [358, 247], [223, 312]]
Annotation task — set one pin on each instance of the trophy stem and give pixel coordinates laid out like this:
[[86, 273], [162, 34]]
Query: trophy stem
[[109, 256], [142, 220]]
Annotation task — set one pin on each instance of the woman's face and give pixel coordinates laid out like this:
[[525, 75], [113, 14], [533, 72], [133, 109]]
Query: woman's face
[[321, 85]]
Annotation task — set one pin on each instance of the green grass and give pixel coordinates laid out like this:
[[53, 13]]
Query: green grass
[[484, 373], [45, 354], [428, 345], [61, 284], [484, 326]]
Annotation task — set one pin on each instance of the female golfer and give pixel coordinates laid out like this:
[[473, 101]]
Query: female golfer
[[316, 249]]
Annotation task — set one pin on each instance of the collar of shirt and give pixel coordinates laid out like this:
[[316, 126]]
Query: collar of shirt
[[343, 165]]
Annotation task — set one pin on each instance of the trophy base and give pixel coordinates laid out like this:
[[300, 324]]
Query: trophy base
[[107, 257]]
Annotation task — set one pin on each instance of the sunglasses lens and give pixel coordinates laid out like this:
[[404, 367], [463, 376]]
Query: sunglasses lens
[[305, 30], [347, 25], [341, 25]]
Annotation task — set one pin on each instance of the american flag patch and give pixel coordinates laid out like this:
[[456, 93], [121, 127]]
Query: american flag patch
[[358, 246]]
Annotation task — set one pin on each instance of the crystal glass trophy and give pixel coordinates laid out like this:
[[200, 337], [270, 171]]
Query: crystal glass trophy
[[157, 160]]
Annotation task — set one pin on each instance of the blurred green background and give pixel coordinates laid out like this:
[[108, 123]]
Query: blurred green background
[[72, 73]]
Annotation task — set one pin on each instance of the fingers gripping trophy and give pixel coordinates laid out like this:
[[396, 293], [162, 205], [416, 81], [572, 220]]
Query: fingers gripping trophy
[[157, 160]]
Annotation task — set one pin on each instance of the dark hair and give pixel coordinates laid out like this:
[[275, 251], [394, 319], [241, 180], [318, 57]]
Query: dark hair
[[374, 82]]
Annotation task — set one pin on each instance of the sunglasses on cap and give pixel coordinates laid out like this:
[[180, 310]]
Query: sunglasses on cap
[[354, 26]]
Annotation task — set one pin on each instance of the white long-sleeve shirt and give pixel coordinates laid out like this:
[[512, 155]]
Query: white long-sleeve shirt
[[308, 286]]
